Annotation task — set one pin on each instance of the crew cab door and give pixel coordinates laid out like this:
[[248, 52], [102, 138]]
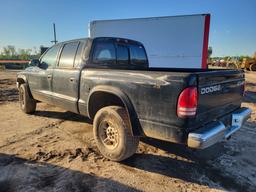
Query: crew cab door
[[40, 78], [66, 77]]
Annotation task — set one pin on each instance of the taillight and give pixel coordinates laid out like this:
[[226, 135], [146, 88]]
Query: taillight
[[187, 102]]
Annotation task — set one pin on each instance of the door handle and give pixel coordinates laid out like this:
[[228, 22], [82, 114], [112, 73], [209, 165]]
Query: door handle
[[49, 76], [72, 79]]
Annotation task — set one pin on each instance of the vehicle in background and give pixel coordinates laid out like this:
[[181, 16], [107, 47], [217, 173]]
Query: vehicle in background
[[249, 63], [13, 64], [236, 63]]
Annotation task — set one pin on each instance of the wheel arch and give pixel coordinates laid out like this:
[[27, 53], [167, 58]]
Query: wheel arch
[[106, 96], [21, 79]]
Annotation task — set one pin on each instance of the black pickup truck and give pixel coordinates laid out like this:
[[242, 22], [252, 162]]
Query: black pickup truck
[[110, 81]]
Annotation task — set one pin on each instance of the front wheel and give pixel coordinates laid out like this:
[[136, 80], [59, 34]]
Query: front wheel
[[27, 103], [112, 132]]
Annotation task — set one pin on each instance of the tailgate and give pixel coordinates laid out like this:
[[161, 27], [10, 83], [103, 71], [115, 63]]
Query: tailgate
[[220, 92]]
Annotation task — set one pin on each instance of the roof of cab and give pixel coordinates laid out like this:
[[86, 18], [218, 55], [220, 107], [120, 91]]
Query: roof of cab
[[118, 39]]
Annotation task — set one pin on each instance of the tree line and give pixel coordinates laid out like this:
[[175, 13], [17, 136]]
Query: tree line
[[11, 53], [238, 58]]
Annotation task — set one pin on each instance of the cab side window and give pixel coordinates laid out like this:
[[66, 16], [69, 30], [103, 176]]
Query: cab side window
[[67, 56], [49, 59], [138, 55], [104, 53], [122, 54]]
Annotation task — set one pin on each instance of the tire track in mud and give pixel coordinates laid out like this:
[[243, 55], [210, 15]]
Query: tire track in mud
[[195, 170], [89, 149], [14, 139], [40, 176], [225, 180], [8, 90]]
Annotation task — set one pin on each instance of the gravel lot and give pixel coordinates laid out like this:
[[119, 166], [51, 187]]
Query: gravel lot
[[54, 150]]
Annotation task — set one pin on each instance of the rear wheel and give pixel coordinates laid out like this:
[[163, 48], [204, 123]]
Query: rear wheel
[[27, 103], [253, 67], [112, 132]]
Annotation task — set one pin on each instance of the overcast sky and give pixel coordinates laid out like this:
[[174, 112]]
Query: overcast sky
[[28, 23]]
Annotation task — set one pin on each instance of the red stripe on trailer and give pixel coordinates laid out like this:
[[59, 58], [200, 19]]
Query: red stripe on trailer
[[14, 61], [206, 39]]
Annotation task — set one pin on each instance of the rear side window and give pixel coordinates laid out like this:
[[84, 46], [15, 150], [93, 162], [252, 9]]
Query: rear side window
[[67, 56], [122, 55], [50, 57], [137, 55], [104, 53]]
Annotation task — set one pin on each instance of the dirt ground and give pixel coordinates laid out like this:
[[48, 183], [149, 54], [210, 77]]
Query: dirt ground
[[54, 150]]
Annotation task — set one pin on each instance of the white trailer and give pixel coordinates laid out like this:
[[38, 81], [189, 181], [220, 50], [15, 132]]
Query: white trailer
[[172, 41]]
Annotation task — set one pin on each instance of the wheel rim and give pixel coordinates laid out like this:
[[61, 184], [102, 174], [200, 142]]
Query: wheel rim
[[108, 134], [22, 102]]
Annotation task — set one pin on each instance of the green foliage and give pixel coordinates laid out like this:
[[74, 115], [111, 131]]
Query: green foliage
[[10, 53], [242, 57], [24, 54], [227, 58]]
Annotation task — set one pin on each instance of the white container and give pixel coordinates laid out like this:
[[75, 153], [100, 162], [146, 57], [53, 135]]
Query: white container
[[172, 41]]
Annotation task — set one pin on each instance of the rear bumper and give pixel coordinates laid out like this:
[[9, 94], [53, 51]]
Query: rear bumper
[[216, 131]]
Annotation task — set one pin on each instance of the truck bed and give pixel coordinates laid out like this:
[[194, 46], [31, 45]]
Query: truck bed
[[154, 93]]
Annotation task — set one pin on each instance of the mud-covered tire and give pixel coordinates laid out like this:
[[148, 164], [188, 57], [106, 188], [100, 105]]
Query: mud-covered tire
[[113, 134], [253, 67], [27, 103]]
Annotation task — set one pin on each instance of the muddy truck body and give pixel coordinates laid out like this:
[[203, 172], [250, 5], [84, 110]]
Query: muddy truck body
[[109, 81]]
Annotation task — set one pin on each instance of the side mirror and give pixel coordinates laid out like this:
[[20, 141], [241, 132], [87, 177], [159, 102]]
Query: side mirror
[[34, 62]]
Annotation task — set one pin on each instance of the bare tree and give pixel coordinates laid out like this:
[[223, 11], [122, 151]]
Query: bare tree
[[8, 52], [12, 50]]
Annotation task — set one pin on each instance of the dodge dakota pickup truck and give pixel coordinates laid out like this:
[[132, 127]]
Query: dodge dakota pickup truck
[[109, 80]]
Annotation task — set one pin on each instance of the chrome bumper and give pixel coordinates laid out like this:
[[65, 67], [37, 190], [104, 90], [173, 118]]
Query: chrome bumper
[[216, 131]]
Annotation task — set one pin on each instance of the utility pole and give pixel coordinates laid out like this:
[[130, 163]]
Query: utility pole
[[54, 33]]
